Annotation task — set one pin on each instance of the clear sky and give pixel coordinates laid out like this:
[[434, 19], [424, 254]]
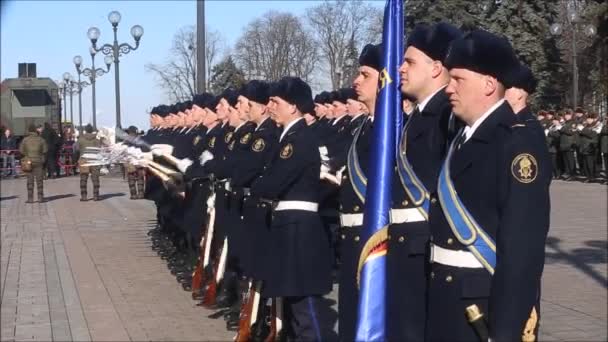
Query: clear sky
[[51, 33]]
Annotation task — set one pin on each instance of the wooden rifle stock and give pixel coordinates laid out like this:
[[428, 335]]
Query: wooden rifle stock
[[219, 266], [211, 291], [244, 332], [198, 276]]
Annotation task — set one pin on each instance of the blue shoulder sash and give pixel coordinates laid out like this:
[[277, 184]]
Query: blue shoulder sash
[[358, 180], [411, 183], [463, 224]]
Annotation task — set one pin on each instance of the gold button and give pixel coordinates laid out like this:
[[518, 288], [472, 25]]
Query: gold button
[[343, 236], [263, 205], [405, 202], [356, 208], [341, 207], [433, 200], [357, 238], [234, 192], [450, 241], [344, 176], [401, 238], [432, 275], [242, 217], [448, 279]]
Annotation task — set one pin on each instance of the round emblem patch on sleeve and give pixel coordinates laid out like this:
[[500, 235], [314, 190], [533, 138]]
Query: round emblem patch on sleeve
[[228, 137], [258, 145], [245, 139], [196, 140], [524, 168], [286, 151]]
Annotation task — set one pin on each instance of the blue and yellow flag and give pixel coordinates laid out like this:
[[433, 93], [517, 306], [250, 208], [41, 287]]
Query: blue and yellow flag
[[387, 127]]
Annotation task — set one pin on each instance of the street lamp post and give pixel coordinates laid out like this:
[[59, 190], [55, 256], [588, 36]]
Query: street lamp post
[[92, 74], [116, 50], [573, 20], [73, 87], [63, 89]]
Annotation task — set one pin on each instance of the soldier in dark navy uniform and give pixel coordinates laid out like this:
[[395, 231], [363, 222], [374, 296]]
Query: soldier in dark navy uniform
[[423, 145], [297, 263], [490, 215], [352, 193], [249, 227], [524, 85]]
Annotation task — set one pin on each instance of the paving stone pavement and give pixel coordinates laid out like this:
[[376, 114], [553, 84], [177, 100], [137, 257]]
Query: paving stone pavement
[[85, 271]]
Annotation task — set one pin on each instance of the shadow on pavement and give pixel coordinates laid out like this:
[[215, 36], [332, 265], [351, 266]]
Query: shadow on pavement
[[581, 258], [108, 196], [8, 198], [57, 197]]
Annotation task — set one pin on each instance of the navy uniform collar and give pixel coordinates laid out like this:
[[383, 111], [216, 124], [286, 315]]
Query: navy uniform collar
[[299, 125], [436, 103], [502, 116]]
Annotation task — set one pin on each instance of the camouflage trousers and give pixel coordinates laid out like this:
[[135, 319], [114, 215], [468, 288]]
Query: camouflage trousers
[[94, 171], [36, 174], [136, 183]]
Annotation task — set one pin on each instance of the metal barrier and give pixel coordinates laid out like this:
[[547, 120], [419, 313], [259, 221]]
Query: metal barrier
[[66, 164], [6, 157], [65, 160]]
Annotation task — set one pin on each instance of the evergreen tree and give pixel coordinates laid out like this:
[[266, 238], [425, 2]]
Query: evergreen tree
[[226, 74]]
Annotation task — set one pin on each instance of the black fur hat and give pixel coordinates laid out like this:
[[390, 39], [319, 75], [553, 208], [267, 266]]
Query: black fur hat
[[256, 91], [523, 78], [323, 98], [231, 95], [348, 94], [88, 128], [333, 96], [433, 40], [295, 91], [202, 100], [132, 130], [485, 53], [371, 56]]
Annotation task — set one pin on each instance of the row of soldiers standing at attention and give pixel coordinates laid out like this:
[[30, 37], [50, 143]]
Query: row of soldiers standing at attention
[[267, 173], [576, 138]]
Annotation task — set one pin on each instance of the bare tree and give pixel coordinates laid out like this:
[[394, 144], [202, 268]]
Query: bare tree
[[276, 45], [339, 27], [177, 76]]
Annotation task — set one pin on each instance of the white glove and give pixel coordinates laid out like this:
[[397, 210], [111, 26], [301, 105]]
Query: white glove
[[104, 171], [160, 149], [324, 153], [147, 156], [183, 164], [339, 173], [324, 168], [330, 178], [205, 157]]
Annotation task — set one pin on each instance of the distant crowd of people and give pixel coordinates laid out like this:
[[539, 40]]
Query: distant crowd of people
[[578, 143], [59, 157]]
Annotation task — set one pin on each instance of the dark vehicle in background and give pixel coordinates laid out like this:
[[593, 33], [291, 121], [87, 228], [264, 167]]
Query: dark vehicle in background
[[29, 100]]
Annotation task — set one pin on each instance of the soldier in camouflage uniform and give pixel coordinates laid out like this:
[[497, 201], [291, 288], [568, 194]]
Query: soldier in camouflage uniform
[[135, 174], [88, 139], [33, 150]]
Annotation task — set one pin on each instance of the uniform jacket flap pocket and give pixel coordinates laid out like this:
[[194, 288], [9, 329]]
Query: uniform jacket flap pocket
[[476, 286]]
